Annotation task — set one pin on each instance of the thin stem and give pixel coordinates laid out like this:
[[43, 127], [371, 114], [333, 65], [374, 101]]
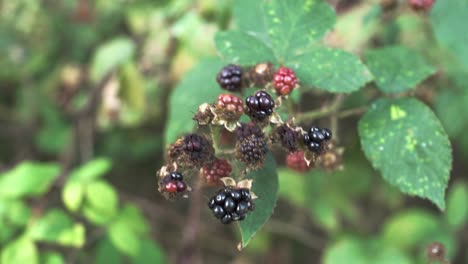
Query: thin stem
[[189, 245], [215, 133], [314, 114], [352, 112]]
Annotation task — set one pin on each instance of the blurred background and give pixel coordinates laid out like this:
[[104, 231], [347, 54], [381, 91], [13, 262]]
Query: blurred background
[[85, 90]]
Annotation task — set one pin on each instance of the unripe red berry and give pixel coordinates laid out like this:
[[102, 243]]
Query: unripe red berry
[[421, 5], [231, 103], [218, 169], [295, 161], [284, 81]]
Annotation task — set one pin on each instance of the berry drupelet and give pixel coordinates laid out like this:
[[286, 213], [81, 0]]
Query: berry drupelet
[[230, 78], [284, 81], [260, 105], [315, 139], [218, 169], [231, 204]]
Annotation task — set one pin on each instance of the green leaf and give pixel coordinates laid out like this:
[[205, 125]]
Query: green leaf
[[57, 227], [248, 16], [331, 70], [294, 25], [134, 219], [149, 252], [405, 141], [107, 253], [292, 186], [73, 195], [457, 209], [92, 170], [449, 31], [132, 92], [265, 186], [28, 179], [52, 258], [197, 87], [397, 69], [102, 197], [17, 212], [448, 106], [409, 228], [350, 250], [22, 250], [123, 238], [111, 55], [241, 48]]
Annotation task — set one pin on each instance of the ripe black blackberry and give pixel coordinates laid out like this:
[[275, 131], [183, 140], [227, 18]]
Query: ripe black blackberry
[[230, 77], [251, 146], [260, 105], [288, 137], [315, 138], [192, 150], [231, 204]]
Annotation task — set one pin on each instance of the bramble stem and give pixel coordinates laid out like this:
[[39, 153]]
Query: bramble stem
[[314, 114], [215, 133]]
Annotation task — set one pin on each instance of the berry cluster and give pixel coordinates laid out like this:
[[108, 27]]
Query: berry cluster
[[315, 139], [218, 169], [230, 78], [231, 204], [284, 81], [260, 105]]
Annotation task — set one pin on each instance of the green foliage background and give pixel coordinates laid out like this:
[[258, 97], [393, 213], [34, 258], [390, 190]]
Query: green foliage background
[[92, 92]]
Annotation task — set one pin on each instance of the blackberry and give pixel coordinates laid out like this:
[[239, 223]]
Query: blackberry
[[218, 169], [230, 78], [172, 184], [315, 139], [260, 105], [284, 81], [192, 150], [421, 5], [247, 130], [231, 204], [295, 161], [288, 137], [251, 146]]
